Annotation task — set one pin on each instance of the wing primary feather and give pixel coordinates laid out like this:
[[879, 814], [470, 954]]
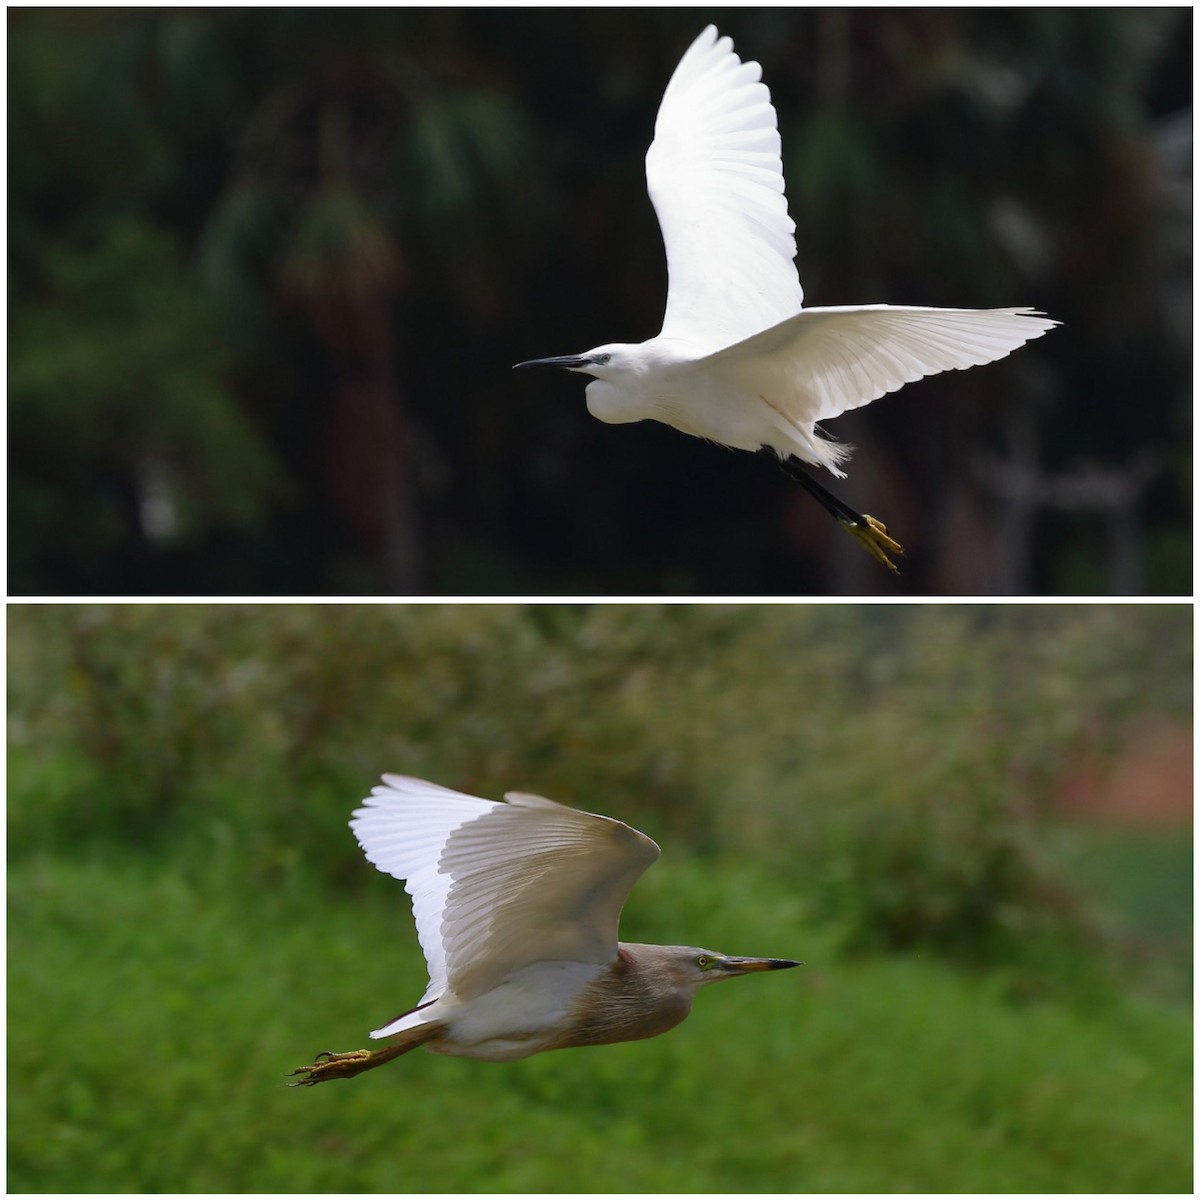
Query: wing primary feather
[[496, 885], [715, 178]]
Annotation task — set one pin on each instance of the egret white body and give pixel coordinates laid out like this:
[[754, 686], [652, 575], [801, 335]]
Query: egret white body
[[739, 360], [516, 906]]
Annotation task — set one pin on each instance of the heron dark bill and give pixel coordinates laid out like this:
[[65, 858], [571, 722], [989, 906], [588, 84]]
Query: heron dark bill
[[516, 906]]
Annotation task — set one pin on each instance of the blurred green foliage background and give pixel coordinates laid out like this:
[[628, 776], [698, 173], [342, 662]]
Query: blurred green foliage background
[[996, 997], [269, 268]]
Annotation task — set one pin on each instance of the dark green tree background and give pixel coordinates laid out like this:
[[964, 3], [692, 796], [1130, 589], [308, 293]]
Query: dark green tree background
[[268, 270]]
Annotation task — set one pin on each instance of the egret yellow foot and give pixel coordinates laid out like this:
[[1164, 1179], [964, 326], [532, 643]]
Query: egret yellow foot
[[873, 535], [335, 1066]]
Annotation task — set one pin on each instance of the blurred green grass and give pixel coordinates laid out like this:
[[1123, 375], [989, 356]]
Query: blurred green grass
[[153, 1016], [1145, 873], [1142, 880]]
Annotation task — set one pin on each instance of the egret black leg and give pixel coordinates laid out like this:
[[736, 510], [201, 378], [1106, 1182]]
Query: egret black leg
[[870, 532]]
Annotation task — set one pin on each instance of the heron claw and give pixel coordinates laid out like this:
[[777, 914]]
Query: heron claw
[[328, 1065]]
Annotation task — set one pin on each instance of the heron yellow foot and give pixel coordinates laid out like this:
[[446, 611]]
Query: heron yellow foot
[[873, 535], [334, 1066]]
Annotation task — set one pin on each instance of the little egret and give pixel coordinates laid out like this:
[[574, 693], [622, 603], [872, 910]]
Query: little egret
[[516, 906], [739, 361]]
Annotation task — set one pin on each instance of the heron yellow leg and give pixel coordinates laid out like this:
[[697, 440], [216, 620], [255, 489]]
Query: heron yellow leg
[[354, 1062], [873, 536], [335, 1066]]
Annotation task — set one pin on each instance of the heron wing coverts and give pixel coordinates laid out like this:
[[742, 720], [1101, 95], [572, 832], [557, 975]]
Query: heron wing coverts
[[535, 881], [498, 886], [715, 178]]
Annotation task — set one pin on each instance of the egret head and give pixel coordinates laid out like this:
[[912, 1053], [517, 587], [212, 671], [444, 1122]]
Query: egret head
[[604, 362]]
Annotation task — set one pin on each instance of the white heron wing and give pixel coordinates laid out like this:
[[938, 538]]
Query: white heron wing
[[535, 881], [498, 885], [403, 828], [715, 178], [825, 361]]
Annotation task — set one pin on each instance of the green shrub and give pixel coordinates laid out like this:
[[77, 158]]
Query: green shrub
[[893, 764]]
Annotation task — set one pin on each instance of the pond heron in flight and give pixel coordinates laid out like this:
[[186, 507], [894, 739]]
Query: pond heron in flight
[[516, 906], [739, 361]]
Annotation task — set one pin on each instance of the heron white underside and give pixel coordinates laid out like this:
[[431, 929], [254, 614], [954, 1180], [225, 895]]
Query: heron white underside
[[516, 906], [521, 1016], [738, 360]]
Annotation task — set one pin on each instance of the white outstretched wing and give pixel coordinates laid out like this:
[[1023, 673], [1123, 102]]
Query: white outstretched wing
[[497, 886], [716, 180], [825, 361], [403, 828]]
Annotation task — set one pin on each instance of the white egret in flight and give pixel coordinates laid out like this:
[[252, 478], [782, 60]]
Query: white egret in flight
[[739, 360], [516, 907]]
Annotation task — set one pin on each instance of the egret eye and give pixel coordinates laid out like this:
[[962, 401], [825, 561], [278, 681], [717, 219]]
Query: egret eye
[[602, 359]]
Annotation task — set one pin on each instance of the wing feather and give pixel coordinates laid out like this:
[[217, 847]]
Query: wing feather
[[496, 886], [403, 828], [535, 881], [825, 361], [715, 178]]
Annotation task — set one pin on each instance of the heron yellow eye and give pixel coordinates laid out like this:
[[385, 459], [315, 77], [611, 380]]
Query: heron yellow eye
[[704, 962]]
